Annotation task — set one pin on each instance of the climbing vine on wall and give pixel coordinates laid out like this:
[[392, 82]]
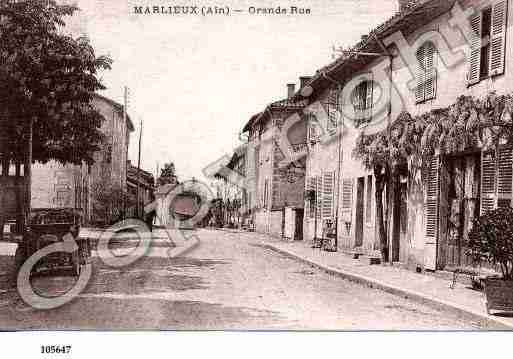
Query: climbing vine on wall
[[469, 123], [410, 142]]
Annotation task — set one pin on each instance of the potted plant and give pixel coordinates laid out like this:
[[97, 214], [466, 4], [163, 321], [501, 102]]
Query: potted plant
[[491, 240]]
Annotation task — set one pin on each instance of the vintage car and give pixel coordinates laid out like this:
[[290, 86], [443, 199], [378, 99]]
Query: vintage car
[[49, 226]]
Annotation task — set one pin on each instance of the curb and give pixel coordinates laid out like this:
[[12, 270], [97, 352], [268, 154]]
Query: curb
[[392, 289]]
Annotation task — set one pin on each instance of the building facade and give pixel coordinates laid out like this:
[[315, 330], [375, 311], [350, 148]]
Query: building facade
[[89, 188], [279, 190], [142, 183], [109, 171], [428, 223]]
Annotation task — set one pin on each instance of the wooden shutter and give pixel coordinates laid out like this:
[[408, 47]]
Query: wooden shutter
[[357, 99], [327, 194], [488, 182], [318, 191], [430, 71], [369, 99], [267, 193], [431, 214], [347, 200], [312, 130], [505, 178], [332, 118], [419, 90], [475, 51], [498, 37], [347, 194]]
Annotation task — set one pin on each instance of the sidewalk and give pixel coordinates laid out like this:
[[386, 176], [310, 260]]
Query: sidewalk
[[420, 287]]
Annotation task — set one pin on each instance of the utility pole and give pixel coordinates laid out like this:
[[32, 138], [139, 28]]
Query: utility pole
[[157, 174], [125, 106], [138, 171]]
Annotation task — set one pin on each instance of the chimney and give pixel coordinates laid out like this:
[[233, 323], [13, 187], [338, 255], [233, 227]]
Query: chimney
[[291, 90], [303, 80], [404, 4]]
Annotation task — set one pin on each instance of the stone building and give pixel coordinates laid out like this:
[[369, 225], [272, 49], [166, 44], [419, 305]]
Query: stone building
[[142, 182], [108, 175], [56, 185], [230, 183], [459, 185], [277, 188]]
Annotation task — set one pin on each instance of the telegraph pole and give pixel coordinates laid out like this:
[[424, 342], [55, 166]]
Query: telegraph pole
[[138, 170], [125, 106]]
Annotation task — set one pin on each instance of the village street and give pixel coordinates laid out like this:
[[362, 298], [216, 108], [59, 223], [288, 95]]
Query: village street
[[230, 281]]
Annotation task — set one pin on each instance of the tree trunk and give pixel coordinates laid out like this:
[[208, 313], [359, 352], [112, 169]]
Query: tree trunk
[[382, 233]]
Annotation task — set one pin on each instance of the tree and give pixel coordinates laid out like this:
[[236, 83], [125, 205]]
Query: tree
[[107, 200], [47, 80], [167, 175]]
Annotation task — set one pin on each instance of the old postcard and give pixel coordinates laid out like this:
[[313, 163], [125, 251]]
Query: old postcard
[[256, 166]]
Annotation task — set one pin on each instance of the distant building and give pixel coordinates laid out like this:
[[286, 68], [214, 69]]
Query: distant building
[[278, 190], [232, 193], [138, 178], [99, 189], [177, 202], [109, 172]]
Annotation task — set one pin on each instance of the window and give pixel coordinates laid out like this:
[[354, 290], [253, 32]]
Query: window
[[496, 179], [362, 100], [488, 42], [318, 197], [486, 25], [332, 109], [328, 195], [266, 193], [332, 118], [312, 124], [347, 199], [426, 73], [368, 200]]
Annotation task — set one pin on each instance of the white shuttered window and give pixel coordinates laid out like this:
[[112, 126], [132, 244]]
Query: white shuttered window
[[487, 55], [426, 74], [327, 195]]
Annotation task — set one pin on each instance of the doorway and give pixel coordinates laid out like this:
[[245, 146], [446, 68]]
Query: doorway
[[400, 220], [359, 212], [298, 235]]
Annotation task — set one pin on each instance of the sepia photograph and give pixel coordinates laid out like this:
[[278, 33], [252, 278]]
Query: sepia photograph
[[255, 166]]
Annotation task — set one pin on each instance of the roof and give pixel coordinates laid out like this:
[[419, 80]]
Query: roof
[[139, 175], [412, 17], [119, 108], [250, 123], [289, 105], [237, 154]]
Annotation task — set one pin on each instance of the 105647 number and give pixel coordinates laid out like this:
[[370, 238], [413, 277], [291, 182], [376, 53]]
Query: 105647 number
[[55, 349]]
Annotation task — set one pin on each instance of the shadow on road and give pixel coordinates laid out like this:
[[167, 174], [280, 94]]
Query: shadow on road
[[141, 314]]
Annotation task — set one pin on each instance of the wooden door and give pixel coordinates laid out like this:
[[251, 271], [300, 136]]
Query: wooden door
[[298, 236]]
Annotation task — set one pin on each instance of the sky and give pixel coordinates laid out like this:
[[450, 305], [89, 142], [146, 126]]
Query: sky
[[195, 81]]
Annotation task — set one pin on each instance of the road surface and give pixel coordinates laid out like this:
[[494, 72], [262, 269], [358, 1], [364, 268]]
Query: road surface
[[229, 281]]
